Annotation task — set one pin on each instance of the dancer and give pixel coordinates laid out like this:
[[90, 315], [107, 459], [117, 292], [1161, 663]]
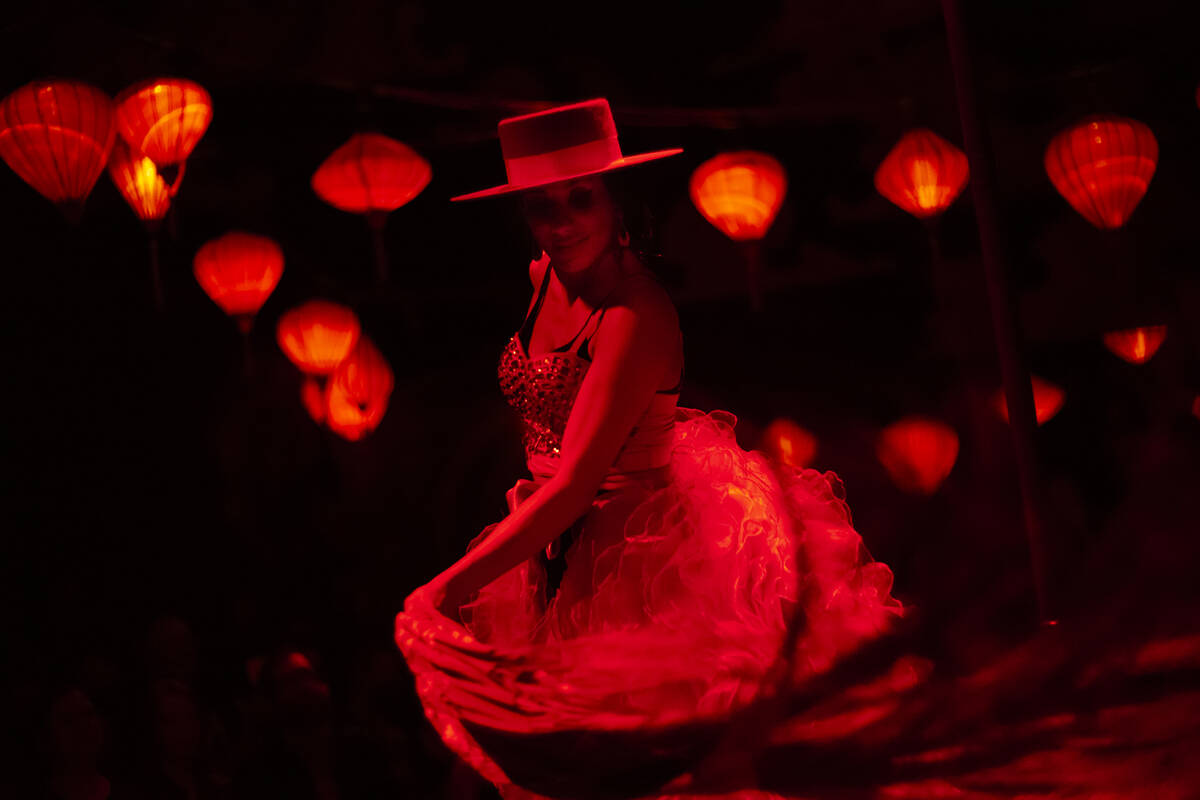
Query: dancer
[[649, 567]]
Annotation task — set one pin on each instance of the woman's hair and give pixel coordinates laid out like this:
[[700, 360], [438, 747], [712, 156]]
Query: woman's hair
[[634, 209]]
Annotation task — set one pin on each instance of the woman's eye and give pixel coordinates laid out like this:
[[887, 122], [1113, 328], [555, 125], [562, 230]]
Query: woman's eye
[[581, 199]]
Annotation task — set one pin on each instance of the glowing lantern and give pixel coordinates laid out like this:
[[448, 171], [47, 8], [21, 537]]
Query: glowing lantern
[[239, 271], [318, 335], [1136, 345], [922, 174], [1047, 400], [137, 179], [164, 118], [312, 396], [56, 135], [790, 443], [1103, 166], [357, 395], [372, 174], [740, 193], [918, 453]]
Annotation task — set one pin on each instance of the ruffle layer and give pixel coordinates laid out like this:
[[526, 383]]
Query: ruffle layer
[[674, 605]]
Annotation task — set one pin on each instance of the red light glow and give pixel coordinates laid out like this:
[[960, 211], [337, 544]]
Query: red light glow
[[318, 335], [371, 172], [358, 392], [1136, 345], [164, 118], [312, 396], [790, 443], [918, 453], [137, 179], [1103, 166], [740, 193], [923, 173], [239, 271], [1047, 400], [56, 135]]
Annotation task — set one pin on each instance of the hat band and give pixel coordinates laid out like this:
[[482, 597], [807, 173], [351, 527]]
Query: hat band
[[567, 162]]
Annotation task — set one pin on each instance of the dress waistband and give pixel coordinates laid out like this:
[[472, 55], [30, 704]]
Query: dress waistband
[[545, 467]]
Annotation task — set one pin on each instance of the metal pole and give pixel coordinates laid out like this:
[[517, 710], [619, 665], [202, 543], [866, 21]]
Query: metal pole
[[1017, 388]]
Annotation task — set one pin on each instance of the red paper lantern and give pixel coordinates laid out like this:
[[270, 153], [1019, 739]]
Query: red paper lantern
[[357, 395], [923, 173], [740, 193], [918, 453], [312, 396], [1047, 400], [1103, 166], [371, 172], [164, 118], [239, 271], [318, 335], [137, 179], [57, 135], [1136, 345], [790, 443]]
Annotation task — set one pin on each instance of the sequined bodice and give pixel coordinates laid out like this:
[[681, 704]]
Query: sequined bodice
[[542, 390]]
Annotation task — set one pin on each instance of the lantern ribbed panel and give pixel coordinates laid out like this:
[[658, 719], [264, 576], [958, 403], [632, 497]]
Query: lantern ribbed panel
[[918, 453], [1102, 166], [356, 398], [318, 335], [164, 118], [239, 271], [136, 178], [923, 173], [56, 135], [371, 172], [740, 193]]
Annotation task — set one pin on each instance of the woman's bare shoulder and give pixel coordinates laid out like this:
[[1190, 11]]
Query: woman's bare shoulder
[[643, 294]]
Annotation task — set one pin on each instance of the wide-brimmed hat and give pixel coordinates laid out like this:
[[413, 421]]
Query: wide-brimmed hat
[[559, 144]]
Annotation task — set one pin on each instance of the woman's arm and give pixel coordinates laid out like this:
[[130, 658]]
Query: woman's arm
[[631, 357]]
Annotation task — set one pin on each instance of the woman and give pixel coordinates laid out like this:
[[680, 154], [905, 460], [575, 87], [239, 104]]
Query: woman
[[649, 568]]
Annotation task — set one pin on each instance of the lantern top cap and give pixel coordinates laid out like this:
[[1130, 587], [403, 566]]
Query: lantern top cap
[[561, 143]]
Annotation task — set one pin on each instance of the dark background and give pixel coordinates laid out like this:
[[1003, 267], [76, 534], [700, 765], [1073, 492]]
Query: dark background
[[146, 473]]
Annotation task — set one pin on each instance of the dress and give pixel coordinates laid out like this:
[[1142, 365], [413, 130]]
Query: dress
[[662, 609]]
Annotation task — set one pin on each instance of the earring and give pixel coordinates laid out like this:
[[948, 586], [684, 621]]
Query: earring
[[623, 235]]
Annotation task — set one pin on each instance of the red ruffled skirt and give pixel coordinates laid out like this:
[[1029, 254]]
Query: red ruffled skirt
[[674, 605]]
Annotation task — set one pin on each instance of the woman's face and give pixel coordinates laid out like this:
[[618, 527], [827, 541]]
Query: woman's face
[[573, 221]]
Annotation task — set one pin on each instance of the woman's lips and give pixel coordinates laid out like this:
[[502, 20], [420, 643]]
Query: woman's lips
[[568, 245]]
